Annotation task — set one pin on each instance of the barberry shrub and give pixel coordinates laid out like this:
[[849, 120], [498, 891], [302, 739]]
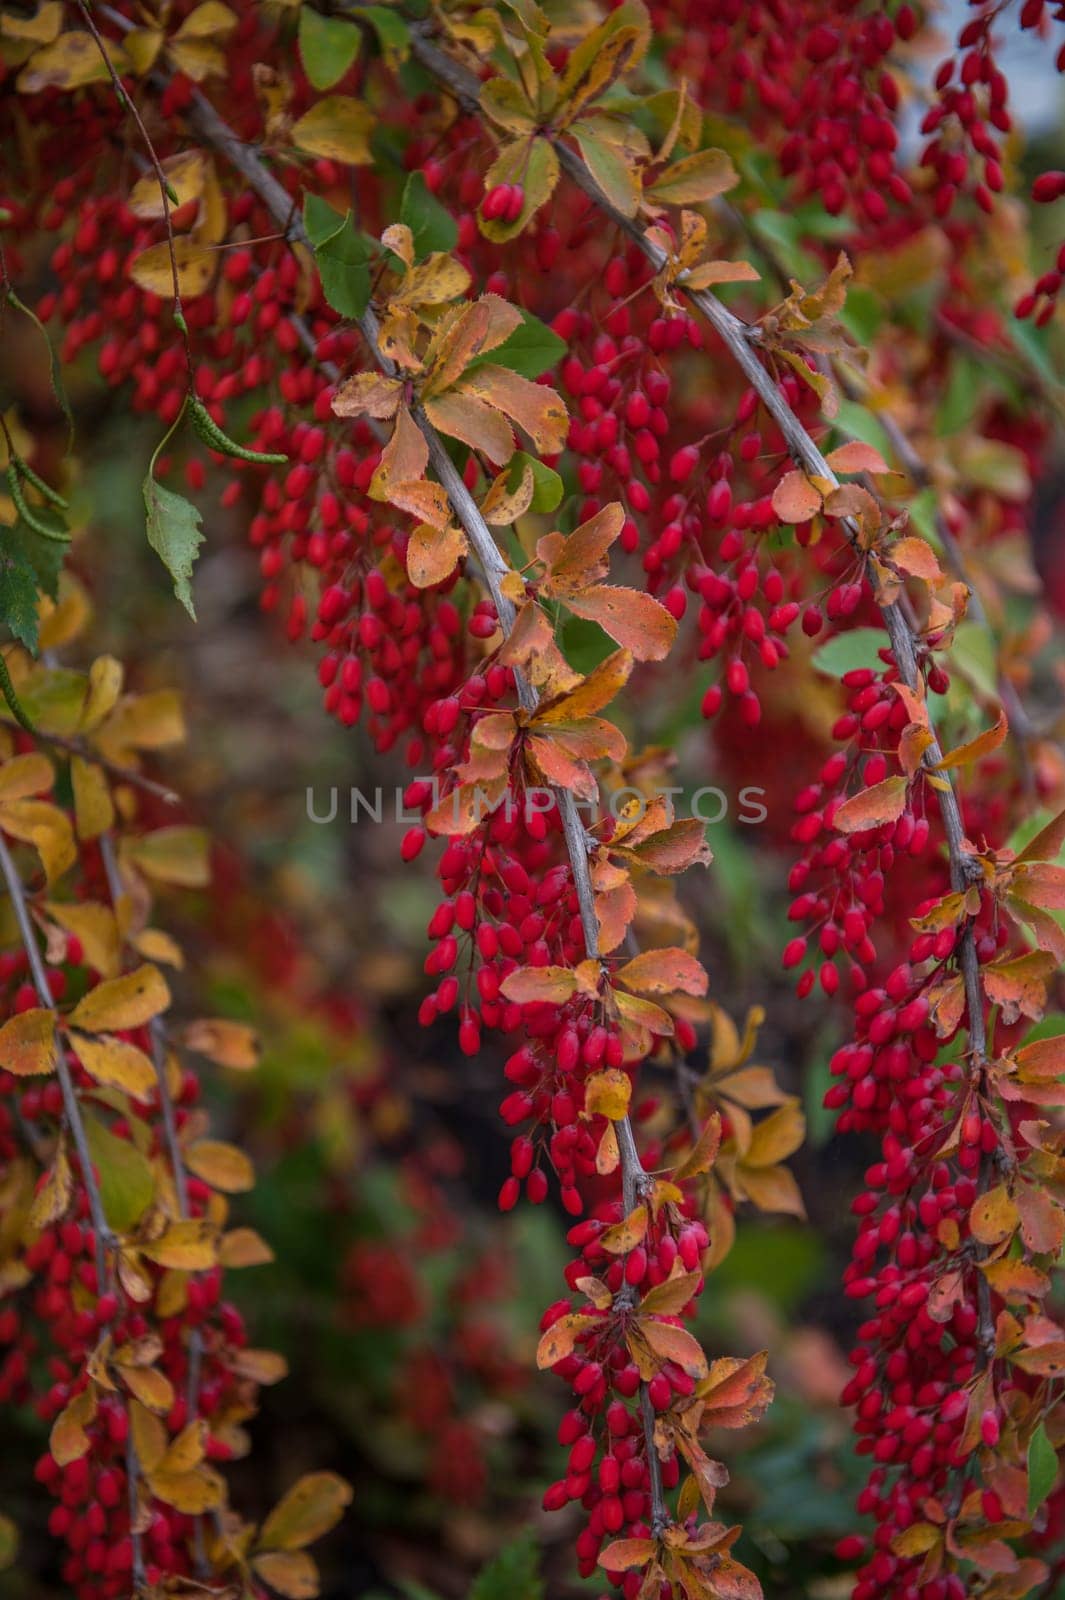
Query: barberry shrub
[[541, 352]]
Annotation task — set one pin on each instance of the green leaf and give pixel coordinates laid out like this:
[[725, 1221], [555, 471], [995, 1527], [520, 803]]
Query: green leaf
[[320, 219], [391, 31], [18, 592], [45, 556], [433, 226], [174, 534], [547, 485], [127, 1186], [1042, 1468], [972, 652], [532, 349], [514, 1574], [849, 651], [342, 256], [328, 46], [584, 644]]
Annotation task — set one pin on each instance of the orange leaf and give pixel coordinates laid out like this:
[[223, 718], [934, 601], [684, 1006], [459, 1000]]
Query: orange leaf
[[884, 802], [626, 1235], [994, 1216], [560, 1339], [540, 985], [578, 561], [670, 1343], [669, 971], [534, 407], [1046, 845], [27, 1043], [916, 557], [637, 621], [855, 456], [795, 499], [964, 755], [626, 1553]]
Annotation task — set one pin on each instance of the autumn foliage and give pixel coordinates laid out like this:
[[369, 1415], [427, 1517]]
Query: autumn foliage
[[593, 384]]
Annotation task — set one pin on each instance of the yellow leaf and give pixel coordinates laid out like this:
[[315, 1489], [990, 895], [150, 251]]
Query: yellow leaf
[[191, 1492], [291, 1573], [709, 273], [605, 55], [464, 332], [208, 20], [149, 1436], [27, 1043], [69, 1440], [243, 1247], [607, 1094], [187, 1450], [121, 1003], [106, 678], [261, 1366], [155, 945], [221, 1165], [695, 179], [190, 1246], [143, 722], [185, 175], [94, 811], [368, 394], [115, 1063], [614, 172], [338, 128], [38, 27], [310, 1508], [95, 928], [590, 695], [69, 62], [230, 1044], [150, 1386], [776, 1137], [152, 269], [532, 163], [43, 825], [178, 855], [24, 776], [143, 45], [52, 1199]]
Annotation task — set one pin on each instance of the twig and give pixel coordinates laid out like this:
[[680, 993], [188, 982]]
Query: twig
[[738, 338], [161, 178], [71, 1107], [157, 1035], [205, 120]]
